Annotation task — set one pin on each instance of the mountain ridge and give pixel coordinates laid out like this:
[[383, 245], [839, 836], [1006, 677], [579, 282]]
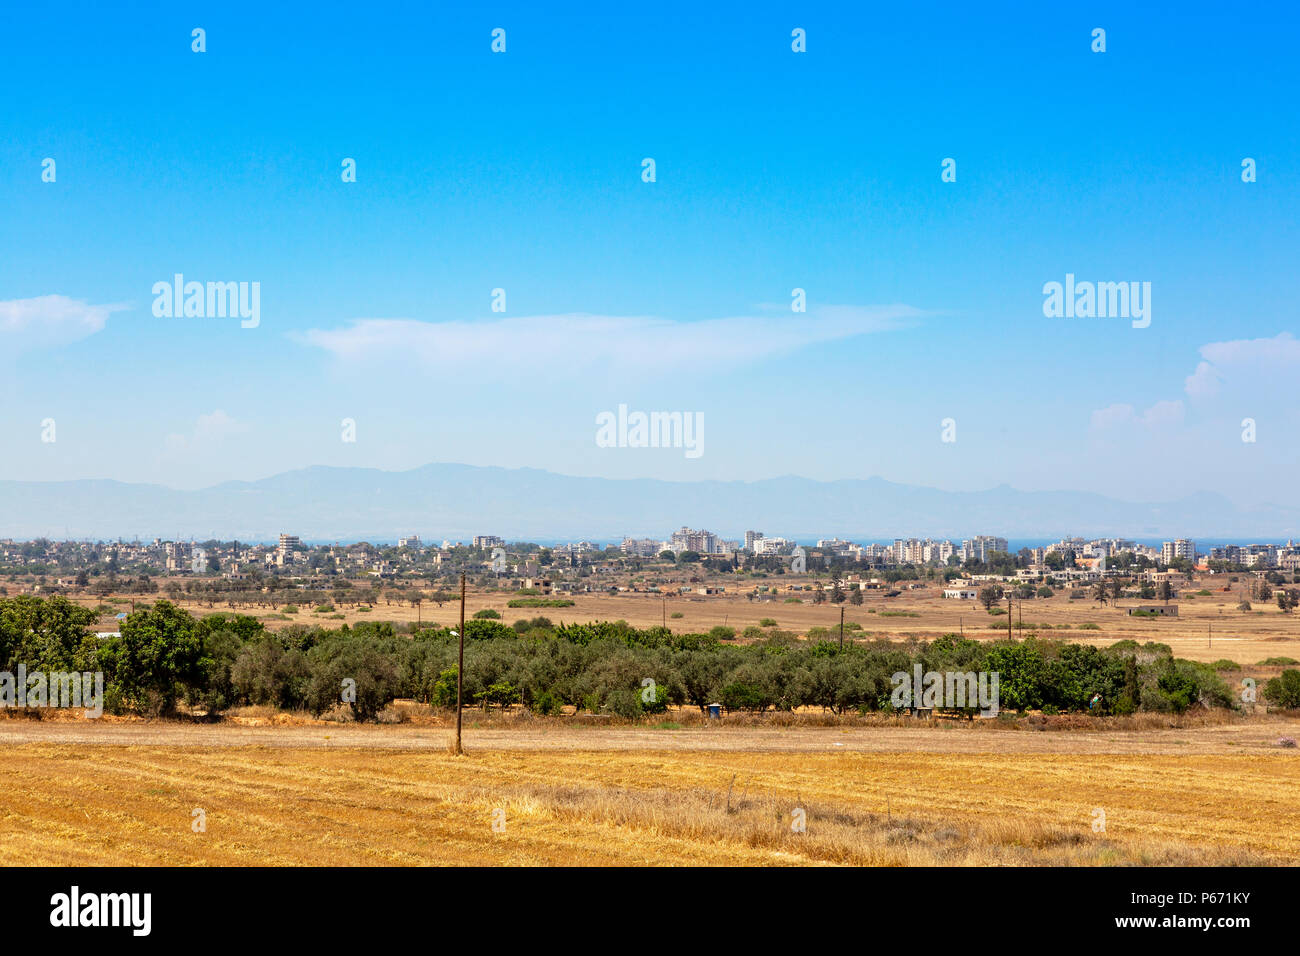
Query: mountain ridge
[[447, 499]]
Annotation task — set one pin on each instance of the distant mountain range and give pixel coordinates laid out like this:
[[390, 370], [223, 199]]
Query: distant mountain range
[[458, 501]]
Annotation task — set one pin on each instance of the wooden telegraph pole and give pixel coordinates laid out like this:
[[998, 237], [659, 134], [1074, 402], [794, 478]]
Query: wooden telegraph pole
[[841, 627], [460, 666]]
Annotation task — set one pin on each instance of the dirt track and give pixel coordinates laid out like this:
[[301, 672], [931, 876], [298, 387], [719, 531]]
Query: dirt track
[[1229, 738]]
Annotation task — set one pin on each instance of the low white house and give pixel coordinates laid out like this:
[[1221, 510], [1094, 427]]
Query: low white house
[[960, 594]]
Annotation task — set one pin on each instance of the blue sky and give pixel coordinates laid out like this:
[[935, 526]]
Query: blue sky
[[775, 170]]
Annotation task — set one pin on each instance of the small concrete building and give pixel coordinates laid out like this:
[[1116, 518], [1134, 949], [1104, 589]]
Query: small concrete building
[[1154, 610]]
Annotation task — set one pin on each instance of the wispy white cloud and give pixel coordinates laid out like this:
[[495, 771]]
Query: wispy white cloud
[[1204, 382], [50, 320], [1161, 415], [1256, 364], [613, 342], [1265, 368]]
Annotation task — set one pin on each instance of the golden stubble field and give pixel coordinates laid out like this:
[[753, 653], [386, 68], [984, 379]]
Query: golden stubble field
[[393, 796]]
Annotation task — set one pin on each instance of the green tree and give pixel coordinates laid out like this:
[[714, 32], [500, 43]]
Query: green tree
[[156, 655]]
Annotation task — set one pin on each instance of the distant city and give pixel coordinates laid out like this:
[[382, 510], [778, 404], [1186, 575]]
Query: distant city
[[75, 563]]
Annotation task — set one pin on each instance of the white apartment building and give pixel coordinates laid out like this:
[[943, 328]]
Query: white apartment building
[[643, 547], [773, 546]]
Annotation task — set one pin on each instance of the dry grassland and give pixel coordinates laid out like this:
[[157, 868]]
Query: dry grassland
[[336, 800]]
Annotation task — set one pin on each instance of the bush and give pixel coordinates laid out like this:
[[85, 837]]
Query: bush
[[722, 633], [444, 690], [676, 615], [624, 702], [738, 696], [1284, 690], [501, 693], [487, 614], [545, 704], [767, 622], [539, 602]]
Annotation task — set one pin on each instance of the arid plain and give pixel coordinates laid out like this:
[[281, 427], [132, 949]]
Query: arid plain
[[1196, 790]]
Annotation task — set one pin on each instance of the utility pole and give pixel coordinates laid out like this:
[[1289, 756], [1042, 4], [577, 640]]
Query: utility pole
[[841, 627], [460, 665], [1009, 637]]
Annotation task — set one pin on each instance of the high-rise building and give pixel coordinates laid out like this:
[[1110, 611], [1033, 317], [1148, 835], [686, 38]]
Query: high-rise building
[[643, 547], [688, 539], [1181, 548], [752, 538]]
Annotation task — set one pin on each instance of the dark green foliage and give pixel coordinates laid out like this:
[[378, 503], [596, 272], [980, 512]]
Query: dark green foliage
[[1284, 690], [165, 656]]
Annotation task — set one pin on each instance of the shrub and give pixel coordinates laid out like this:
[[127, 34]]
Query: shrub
[[722, 633], [676, 615], [545, 704], [741, 696], [767, 622], [487, 614], [539, 602], [501, 693], [1284, 690], [483, 629], [624, 702]]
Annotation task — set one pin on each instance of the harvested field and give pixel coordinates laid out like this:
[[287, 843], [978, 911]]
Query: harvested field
[[1196, 796]]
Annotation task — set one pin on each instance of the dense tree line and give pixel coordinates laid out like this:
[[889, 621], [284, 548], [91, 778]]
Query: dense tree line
[[165, 658]]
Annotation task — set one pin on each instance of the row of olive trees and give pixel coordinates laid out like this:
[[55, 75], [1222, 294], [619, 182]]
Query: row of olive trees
[[166, 658]]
